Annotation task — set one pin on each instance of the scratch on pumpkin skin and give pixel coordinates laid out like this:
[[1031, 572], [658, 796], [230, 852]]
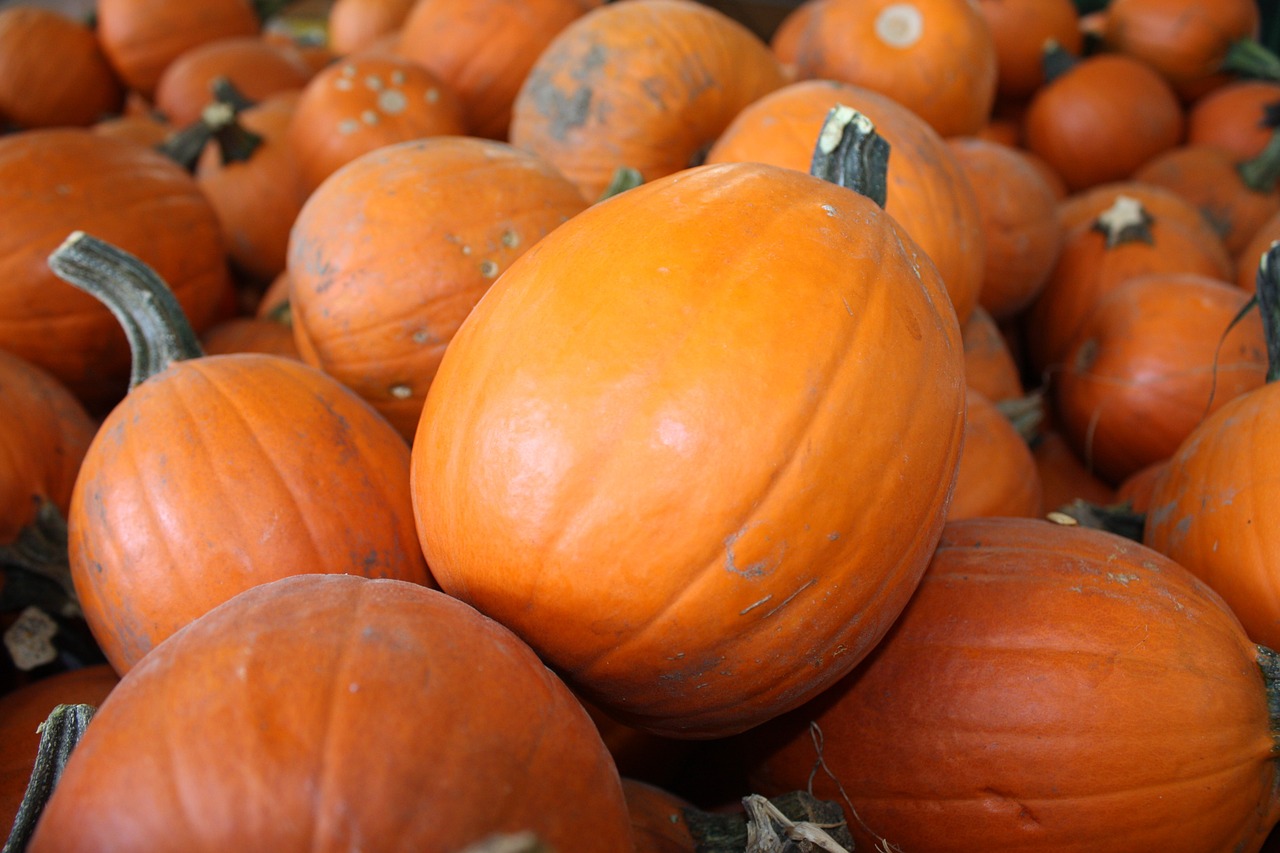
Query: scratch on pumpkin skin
[[744, 611], [790, 597]]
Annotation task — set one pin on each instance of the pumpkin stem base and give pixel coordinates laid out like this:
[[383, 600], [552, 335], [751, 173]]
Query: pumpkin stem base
[[785, 824]]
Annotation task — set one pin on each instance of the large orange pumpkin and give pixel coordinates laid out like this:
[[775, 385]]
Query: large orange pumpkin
[[218, 473], [1047, 688], [695, 446], [646, 84], [329, 712]]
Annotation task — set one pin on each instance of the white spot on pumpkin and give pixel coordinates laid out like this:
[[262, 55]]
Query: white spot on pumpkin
[[348, 125], [830, 209], [392, 101], [488, 268], [374, 82], [431, 95], [510, 239], [369, 117], [348, 71], [900, 25], [673, 433], [397, 77], [343, 84], [400, 392]]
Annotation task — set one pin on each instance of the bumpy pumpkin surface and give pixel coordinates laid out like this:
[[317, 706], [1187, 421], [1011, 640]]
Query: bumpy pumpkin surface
[[696, 445], [328, 712], [1047, 688]]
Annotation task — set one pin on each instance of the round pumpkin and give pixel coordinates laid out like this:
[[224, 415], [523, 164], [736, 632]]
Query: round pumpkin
[[1020, 29], [1047, 688], [702, 417], [1239, 116], [990, 366], [256, 66], [337, 712], [389, 255], [218, 473], [646, 84], [997, 474], [354, 25]]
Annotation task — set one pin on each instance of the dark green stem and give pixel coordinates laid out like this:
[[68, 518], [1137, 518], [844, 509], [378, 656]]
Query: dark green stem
[[158, 331], [1056, 60], [850, 153], [1126, 221], [1249, 58], [41, 549], [1261, 173], [624, 178], [1268, 296], [59, 735], [218, 121]]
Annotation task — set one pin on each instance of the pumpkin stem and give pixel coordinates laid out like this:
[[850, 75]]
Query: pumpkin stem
[[59, 735], [1121, 519], [1126, 221], [1267, 292], [1055, 60], [780, 825], [850, 153], [41, 549], [1250, 58], [624, 178], [158, 331], [217, 122], [1261, 173], [1026, 413]]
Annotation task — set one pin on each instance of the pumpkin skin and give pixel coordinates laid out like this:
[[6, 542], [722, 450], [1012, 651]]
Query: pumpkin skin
[[1155, 356], [55, 181], [657, 817], [281, 690], [989, 364], [1102, 119], [647, 84], [1235, 117], [250, 334], [388, 257], [141, 37], [258, 69], [1047, 688], [356, 24], [1019, 29], [935, 57], [1064, 475], [483, 50], [643, 449], [928, 191], [997, 474], [42, 442], [24, 709], [1251, 255], [52, 70]]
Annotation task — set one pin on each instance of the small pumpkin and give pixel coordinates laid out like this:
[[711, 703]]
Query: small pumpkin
[[1028, 698], [649, 450], [1064, 476], [1019, 29], [998, 475], [218, 473], [269, 706], [354, 25], [1239, 116], [257, 67], [990, 366]]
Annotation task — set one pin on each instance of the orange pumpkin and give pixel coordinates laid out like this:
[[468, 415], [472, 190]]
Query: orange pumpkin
[[1020, 29], [1154, 357], [649, 449], [365, 102], [354, 25], [57, 180], [935, 57], [1239, 117], [1027, 699], [256, 66], [218, 473], [52, 71], [1211, 508], [657, 818], [646, 84], [388, 257], [269, 705], [483, 50], [990, 367], [928, 192], [1250, 256], [141, 37], [1100, 118], [998, 475], [250, 334], [1064, 476]]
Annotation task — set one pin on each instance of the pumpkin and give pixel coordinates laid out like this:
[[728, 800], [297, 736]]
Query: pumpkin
[[141, 37], [1210, 509], [251, 179], [998, 474], [990, 367], [1194, 45], [258, 68], [23, 710], [1019, 214], [651, 449], [1099, 118], [1154, 357], [1047, 688], [250, 334], [52, 70], [1125, 240], [1019, 29], [218, 473], [657, 818], [928, 192], [1236, 196], [362, 103], [1064, 476], [647, 84], [57, 180], [935, 57], [483, 50], [269, 706], [1239, 116], [147, 130], [44, 439], [1250, 256], [389, 255], [1135, 490], [356, 24]]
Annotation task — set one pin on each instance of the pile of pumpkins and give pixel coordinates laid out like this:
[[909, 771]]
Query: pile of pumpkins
[[561, 425]]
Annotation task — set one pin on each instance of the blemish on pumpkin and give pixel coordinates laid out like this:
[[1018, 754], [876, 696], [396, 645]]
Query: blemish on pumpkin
[[343, 84], [899, 25], [1122, 577], [373, 81], [791, 597], [829, 209], [400, 392], [466, 250], [397, 78], [431, 95], [348, 71], [421, 336], [348, 125], [392, 101], [369, 117], [831, 537], [510, 239], [744, 611], [488, 268]]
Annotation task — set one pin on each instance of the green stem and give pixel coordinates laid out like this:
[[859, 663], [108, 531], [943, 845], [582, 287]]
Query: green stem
[[624, 178], [1268, 296], [41, 549], [1250, 58], [1055, 60], [219, 122], [850, 153], [1261, 173], [59, 735], [158, 331]]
